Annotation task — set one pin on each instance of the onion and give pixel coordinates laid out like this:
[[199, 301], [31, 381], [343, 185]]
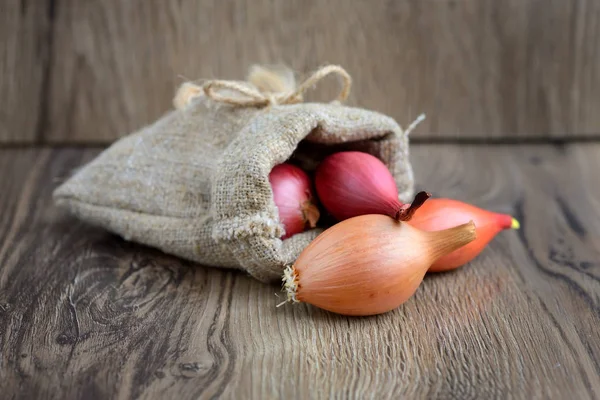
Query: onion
[[293, 197], [352, 183], [369, 264], [438, 214]]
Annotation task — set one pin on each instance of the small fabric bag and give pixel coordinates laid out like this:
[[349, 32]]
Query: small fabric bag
[[195, 183]]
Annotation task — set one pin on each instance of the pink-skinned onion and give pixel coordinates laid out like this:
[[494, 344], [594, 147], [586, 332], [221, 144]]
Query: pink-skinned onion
[[293, 196], [353, 183]]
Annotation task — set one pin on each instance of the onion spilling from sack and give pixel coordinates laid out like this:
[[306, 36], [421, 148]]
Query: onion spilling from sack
[[437, 214], [377, 256], [369, 264]]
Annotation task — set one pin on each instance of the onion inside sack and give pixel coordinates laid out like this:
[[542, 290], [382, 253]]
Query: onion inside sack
[[353, 183], [293, 196], [369, 264]]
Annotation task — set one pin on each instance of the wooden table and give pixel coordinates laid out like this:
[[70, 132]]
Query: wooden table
[[84, 314]]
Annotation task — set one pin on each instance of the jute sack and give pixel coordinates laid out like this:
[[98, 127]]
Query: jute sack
[[195, 182]]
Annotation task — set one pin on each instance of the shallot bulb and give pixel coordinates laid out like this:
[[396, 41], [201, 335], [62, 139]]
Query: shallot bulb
[[438, 214], [369, 264], [352, 183], [293, 197]]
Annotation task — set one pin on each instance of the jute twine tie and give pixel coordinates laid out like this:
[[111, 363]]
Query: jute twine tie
[[239, 94]]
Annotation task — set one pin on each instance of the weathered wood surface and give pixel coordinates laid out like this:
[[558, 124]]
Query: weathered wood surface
[[477, 68], [84, 314], [25, 50]]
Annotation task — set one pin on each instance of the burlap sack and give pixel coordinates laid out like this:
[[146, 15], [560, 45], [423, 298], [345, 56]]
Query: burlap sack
[[195, 183]]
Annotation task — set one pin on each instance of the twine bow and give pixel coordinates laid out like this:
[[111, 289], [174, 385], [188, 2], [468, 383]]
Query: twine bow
[[239, 94]]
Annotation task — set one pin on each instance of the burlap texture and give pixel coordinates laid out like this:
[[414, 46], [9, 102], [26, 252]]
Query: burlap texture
[[195, 183]]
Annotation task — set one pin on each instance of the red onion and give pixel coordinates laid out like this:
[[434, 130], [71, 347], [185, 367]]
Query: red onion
[[353, 183], [293, 197]]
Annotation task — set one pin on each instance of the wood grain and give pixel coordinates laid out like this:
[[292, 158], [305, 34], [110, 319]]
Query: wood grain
[[478, 68], [25, 51], [84, 314]]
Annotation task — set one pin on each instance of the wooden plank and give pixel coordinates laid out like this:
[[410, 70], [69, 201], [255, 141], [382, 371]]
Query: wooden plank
[[484, 68], [25, 47], [84, 314]]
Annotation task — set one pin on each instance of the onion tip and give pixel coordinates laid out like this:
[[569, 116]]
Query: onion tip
[[514, 224], [406, 212]]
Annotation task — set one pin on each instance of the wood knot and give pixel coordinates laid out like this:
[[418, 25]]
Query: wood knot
[[193, 369], [65, 340]]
